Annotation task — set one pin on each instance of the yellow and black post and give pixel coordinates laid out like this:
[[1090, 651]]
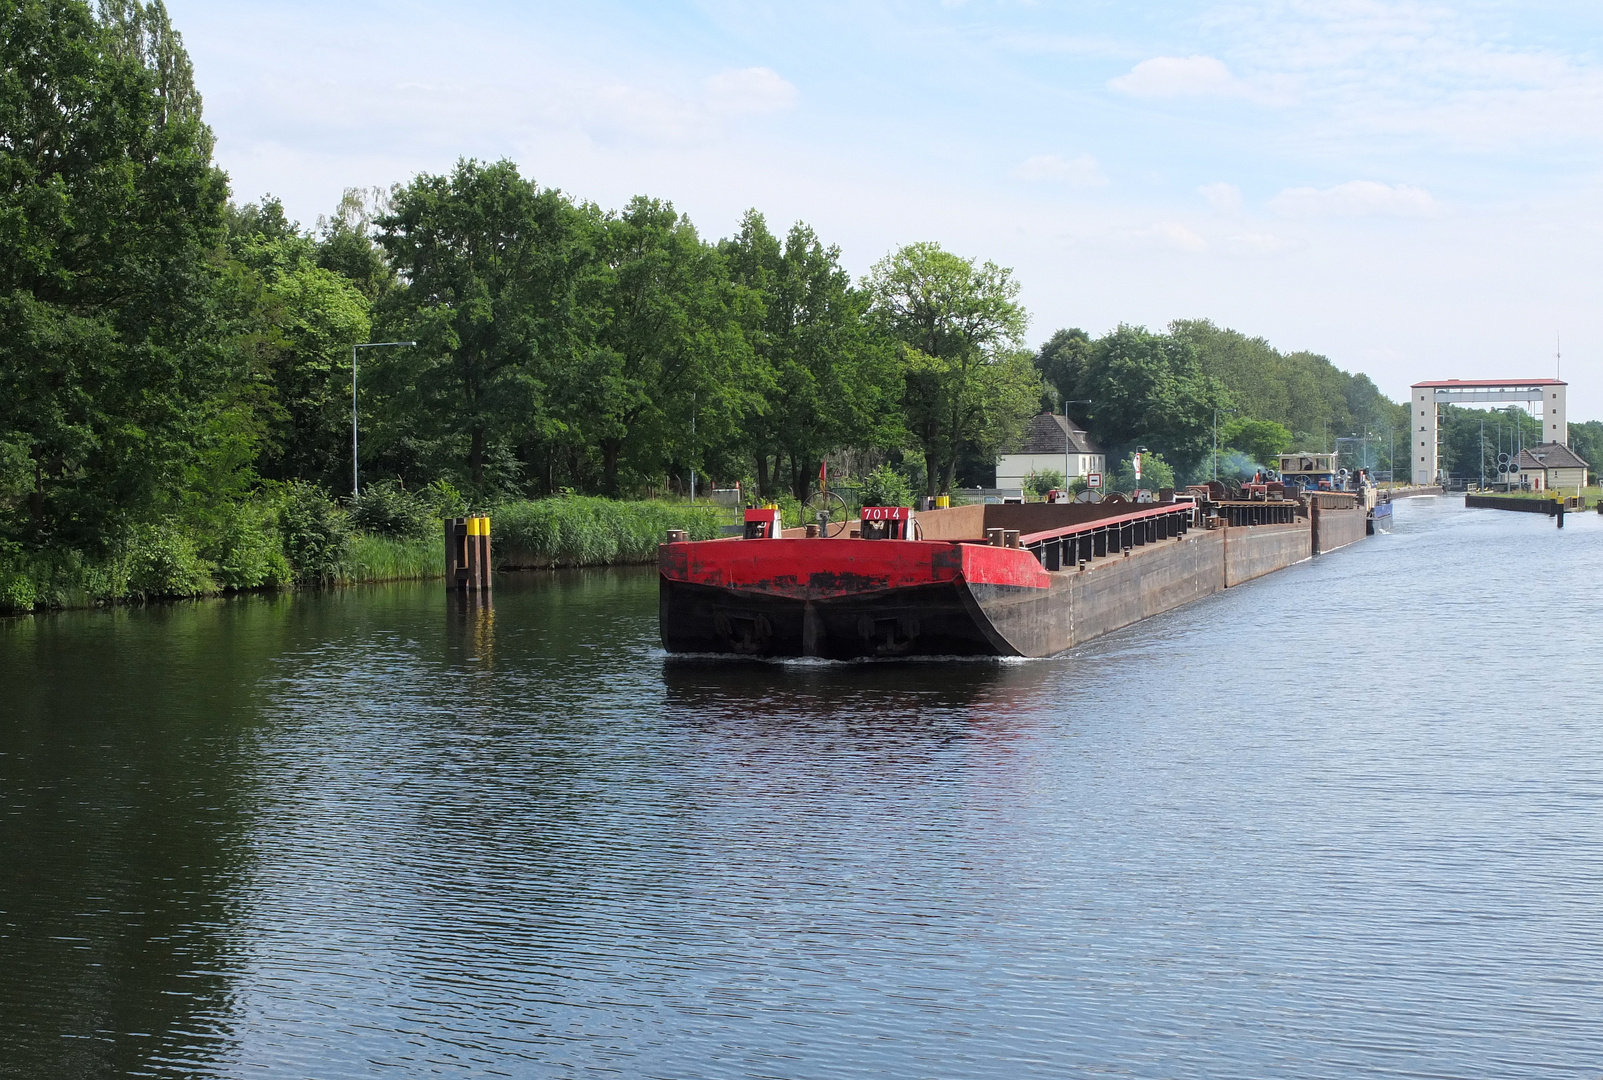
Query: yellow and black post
[[467, 554]]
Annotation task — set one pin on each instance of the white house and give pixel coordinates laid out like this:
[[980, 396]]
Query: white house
[[1551, 467], [1051, 443]]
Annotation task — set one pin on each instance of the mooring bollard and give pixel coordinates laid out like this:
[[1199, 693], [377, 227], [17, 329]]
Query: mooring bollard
[[467, 554]]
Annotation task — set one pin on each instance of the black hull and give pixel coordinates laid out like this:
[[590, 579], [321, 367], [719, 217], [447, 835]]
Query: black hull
[[924, 620]]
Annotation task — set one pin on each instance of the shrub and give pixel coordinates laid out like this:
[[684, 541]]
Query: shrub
[[162, 562], [886, 487], [791, 514], [1155, 473], [1042, 481], [246, 551], [315, 532], [386, 508], [18, 592]]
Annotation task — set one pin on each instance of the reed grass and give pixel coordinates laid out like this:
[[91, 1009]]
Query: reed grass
[[583, 531], [386, 558]]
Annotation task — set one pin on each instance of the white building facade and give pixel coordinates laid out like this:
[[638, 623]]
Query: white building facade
[[1551, 467], [1050, 444]]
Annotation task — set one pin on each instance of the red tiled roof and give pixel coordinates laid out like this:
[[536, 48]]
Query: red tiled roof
[[1449, 384]]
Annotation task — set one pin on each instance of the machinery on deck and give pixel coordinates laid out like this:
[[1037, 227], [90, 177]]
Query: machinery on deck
[[1312, 472]]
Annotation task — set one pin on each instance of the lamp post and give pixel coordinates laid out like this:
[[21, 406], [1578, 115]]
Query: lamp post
[[1216, 412], [1066, 403], [356, 487]]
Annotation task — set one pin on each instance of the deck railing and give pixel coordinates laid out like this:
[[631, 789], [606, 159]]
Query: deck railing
[[1073, 545]]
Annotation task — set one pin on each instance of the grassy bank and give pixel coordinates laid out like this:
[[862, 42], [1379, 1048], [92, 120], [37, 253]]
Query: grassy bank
[[57, 580], [1589, 494], [305, 539]]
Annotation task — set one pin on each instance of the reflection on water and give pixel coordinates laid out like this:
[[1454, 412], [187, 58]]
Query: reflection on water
[[1313, 827]]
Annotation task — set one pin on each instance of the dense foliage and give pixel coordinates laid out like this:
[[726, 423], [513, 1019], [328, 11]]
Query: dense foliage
[[1473, 438], [1178, 391]]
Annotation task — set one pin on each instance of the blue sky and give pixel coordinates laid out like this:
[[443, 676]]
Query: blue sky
[[1412, 189]]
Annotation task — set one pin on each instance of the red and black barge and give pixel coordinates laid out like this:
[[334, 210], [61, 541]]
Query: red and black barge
[[995, 580]]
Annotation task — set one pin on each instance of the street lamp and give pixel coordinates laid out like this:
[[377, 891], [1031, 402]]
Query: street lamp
[[356, 488], [1216, 412], [1067, 472]]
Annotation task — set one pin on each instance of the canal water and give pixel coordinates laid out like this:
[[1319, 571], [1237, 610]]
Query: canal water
[[1344, 821]]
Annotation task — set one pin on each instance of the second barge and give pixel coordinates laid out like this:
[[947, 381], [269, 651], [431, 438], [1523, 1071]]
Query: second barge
[[996, 580]]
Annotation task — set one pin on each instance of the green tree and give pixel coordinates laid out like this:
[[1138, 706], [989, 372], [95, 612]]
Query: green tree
[[1145, 389], [886, 487], [109, 211], [1473, 437], [1261, 440], [967, 385], [294, 323], [347, 247], [669, 371], [1302, 391], [1587, 440], [1155, 473], [1060, 360], [833, 381], [1041, 481], [489, 262]]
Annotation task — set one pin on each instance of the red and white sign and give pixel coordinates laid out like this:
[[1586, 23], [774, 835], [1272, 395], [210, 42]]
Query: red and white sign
[[1138, 466], [887, 513], [1093, 480]]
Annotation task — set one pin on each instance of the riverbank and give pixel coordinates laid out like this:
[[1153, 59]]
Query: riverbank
[[316, 543], [1589, 496]]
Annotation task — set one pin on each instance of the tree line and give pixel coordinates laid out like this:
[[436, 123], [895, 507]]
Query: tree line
[[167, 353]]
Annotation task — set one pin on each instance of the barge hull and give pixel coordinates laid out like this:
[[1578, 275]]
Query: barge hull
[[963, 617], [1108, 596], [920, 620]]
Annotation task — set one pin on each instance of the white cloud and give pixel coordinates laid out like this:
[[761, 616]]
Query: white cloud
[[748, 91], [1225, 198], [1082, 171], [1356, 198], [1194, 76], [1172, 234], [1261, 244], [1408, 68]]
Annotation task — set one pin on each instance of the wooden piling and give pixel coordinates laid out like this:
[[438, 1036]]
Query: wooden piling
[[467, 554]]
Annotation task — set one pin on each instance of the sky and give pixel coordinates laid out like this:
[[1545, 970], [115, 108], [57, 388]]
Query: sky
[[1411, 189]]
